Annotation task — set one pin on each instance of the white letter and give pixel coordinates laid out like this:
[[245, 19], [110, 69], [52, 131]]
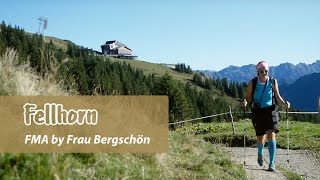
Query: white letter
[[72, 117], [146, 140], [96, 139], [139, 140], [93, 116], [132, 138], [114, 141], [27, 139], [54, 139], [69, 138], [45, 139], [61, 139], [27, 111], [126, 140]]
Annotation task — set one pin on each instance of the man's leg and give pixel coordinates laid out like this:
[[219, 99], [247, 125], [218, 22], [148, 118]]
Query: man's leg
[[272, 147], [260, 144]]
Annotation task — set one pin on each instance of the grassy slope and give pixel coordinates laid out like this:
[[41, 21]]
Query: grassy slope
[[59, 43], [303, 135], [160, 70], [189, 157], [157, 69]]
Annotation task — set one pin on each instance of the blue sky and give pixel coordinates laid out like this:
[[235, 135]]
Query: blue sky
[[205, 34]]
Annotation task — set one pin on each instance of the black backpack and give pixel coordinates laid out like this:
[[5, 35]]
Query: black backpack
[[254, 84]]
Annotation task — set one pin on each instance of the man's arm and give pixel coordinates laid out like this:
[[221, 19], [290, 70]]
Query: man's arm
[[248, 96], [278, 97]]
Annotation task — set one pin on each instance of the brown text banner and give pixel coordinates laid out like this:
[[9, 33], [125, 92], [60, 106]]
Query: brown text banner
[[83, 124]]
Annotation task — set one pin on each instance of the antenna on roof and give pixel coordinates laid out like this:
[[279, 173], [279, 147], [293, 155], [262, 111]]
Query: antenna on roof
[[43, 24]]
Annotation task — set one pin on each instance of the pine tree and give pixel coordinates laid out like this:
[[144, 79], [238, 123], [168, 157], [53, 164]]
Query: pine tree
[[208, 84], [234, 90], [178, 105], [189, 70], [197, 79], [240, 91], [81, 77], [71, 50], [3, 41], [225, 85]]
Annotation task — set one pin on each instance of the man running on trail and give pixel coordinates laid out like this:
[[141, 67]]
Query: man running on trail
[[264, 93]]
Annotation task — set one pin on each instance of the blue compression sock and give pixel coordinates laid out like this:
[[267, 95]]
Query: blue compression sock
[[260, 149], [272, 147]]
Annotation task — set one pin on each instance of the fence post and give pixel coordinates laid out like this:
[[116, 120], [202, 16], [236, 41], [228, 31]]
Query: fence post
[[234, 131], [319, 104], [318, 108]]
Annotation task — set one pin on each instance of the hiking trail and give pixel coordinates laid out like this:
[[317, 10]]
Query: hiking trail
[[301, 162]]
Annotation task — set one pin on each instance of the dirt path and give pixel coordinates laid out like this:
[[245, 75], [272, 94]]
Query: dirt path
[[301, 162]]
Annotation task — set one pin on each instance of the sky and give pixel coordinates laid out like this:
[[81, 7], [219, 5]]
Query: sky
[[205, 34]]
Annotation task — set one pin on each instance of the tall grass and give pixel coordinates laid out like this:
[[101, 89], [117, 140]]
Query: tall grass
[[20, 80]]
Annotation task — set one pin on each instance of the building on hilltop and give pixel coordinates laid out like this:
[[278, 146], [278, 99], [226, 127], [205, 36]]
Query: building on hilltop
[[118, 50]]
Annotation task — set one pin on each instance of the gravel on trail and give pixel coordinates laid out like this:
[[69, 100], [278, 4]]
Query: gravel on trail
[[301, 162]]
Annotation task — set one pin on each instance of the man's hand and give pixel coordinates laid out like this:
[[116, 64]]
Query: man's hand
[[287, 105]]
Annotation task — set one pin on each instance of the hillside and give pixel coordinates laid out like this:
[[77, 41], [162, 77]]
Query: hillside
[[59, 43], [149, 68], [189, 156], [79, 68], [303, 93], [157, 69]]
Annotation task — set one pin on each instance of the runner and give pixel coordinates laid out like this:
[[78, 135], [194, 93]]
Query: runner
[[263, 94]]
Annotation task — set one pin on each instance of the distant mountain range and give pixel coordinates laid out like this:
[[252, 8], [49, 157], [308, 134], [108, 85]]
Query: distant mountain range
[[285, 73], [299, 84], [303, 93]]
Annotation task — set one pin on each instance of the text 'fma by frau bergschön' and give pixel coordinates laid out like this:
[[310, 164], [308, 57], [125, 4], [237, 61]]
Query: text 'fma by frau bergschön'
[[54, 114]]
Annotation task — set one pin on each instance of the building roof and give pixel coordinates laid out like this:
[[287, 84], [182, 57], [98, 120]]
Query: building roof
[[110, 42], [114, 41]]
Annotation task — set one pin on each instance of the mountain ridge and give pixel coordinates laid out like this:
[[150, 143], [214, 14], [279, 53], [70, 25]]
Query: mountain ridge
[[304, 92], [286, 73]]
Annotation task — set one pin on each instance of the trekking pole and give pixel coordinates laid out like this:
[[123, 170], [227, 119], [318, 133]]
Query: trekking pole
[[244, 136], [287, 135]]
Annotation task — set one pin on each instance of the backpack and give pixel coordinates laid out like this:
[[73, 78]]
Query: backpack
[[254, 84]]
